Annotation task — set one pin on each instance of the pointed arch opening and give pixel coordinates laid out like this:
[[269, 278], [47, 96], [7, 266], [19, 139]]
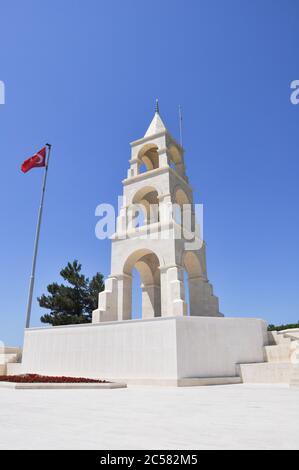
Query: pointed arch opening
[[146, 200], [192, 279], [148, 158], [175, 154], [182, 209], [147, 263]]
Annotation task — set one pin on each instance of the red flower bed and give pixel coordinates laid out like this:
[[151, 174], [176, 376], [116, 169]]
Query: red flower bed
[[35, 378]]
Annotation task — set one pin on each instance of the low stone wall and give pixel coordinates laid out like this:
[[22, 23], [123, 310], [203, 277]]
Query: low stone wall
[[268, 372], [158, 349]]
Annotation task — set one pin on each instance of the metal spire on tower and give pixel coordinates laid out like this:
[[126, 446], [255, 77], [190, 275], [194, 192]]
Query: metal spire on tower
[[181, 125], [157, 110]]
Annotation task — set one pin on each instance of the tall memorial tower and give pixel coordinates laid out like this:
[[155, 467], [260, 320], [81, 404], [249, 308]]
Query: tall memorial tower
[[167, 346], [158, 235]]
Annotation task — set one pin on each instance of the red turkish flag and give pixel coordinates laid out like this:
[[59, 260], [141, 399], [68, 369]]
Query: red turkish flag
[[38, 160]]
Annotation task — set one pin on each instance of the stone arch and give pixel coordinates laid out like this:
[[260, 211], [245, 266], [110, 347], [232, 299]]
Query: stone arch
[[149, 156], [180, 196], [148, 198], [182, 205], [139, 255], [195, 282], [191, 263], [148, 265], [175, 155]]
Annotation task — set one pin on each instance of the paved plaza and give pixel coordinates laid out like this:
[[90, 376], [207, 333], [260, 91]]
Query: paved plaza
[[219, 417]]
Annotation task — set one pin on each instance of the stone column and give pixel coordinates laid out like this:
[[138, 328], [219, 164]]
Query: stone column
[[121, 222], [164, 292], [166, 216], [134, 167], [151, 301], [187, 221], [163, 157], [202, 301], [124, 301], [173, 291], [180, 168], [107, 310]]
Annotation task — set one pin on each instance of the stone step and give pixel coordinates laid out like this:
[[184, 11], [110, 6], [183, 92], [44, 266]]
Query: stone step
[[9, 350], [266, 372], [292, 333], [278, 352], [173, 382], [8, 357], [202, 381], [277, 338], [14, 368], [295, 376]]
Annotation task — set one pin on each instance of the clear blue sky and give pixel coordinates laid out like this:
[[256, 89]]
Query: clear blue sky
[[84, 76]]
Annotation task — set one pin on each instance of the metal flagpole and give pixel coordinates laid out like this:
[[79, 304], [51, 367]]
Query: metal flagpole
[[181, 125], [40, 213]]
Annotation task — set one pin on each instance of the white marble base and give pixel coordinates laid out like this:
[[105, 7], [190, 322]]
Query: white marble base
[[153, 351]]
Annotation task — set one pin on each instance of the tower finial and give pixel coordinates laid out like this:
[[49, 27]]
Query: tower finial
[[181, 125], [157, 110]]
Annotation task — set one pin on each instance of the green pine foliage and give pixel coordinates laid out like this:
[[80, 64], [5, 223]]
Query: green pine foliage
[[73, 302], [283, 327]]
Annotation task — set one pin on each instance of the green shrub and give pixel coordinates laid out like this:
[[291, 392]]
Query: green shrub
[[282, 327]]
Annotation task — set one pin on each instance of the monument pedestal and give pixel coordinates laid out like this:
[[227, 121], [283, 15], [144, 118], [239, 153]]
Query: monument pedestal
[[163, 351]]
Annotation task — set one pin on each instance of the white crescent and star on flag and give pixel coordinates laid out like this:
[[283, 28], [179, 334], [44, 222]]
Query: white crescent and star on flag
[[38, 158]]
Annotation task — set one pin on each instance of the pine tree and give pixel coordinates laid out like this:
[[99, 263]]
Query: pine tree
[[74, 302]]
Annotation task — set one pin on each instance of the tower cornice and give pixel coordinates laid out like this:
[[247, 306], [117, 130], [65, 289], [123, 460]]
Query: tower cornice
[[155, 172], [148, 138], [152, 137]]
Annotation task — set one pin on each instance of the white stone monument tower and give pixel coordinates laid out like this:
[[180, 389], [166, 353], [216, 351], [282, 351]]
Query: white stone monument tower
[[167, 346], [159, 248]]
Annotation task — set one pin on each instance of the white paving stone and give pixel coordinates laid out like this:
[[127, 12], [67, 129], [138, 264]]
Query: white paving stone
[[220, 417]]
